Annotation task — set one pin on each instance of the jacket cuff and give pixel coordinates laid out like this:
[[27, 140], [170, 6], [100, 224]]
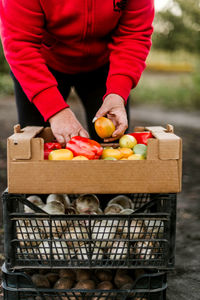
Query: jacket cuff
[[120, 85], [49, 102]]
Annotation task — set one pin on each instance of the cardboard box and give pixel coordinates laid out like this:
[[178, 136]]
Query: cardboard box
[[29, 173]]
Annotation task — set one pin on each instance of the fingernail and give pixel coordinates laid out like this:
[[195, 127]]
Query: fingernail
[[95, 118]]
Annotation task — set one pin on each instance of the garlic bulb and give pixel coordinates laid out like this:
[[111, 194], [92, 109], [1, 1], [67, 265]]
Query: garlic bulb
[[156, 227], [136, 229], [127, 211], [146, 249]]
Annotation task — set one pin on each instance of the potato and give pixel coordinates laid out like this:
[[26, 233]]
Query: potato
[[122, 200], [82, 275], [35, 200], [85, 285], [52, 277], [64, 283], [105, 285], [40, 281], [104, 275], [122, 278], [113, 209], [67, 273]]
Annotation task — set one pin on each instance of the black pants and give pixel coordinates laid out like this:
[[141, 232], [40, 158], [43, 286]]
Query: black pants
[[90, 87]]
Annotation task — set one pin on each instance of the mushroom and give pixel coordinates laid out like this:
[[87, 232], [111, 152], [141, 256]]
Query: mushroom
[[113, 209], [104, 231], [40, 281], [146, 249], [118, 250], [122, 200], [29, 232], [62, 198], [156, 227], [35, 200], [84, 250], [86, 204], [60, 250], [126, 211], [74, 235], [135, 230]]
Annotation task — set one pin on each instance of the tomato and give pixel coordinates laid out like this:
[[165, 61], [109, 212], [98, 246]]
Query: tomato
[[126, 152], [127, 141], [104, 127], [61, 154], [80, 157], [111, 153]]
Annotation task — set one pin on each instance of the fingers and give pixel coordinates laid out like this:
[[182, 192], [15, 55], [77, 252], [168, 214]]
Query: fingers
[[83, 133]]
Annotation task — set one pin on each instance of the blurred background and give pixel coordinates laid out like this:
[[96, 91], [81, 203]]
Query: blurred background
[[168, 92]]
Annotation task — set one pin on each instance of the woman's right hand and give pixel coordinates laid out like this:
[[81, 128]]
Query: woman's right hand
[[65, 125]]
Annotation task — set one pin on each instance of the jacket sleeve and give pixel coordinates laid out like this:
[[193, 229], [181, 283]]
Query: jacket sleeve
[[22, 25], [129, 47]]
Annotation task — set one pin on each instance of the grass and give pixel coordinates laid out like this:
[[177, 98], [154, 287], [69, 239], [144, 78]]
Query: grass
[[169, 88], [6, 85]]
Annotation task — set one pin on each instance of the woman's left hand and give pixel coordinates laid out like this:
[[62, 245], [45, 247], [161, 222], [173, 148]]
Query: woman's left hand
[[113, 108]]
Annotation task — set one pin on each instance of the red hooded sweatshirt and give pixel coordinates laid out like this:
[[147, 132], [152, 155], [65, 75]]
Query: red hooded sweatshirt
[[73, 36]]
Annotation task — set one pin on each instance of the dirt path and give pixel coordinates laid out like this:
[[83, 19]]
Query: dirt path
[[184, 282]]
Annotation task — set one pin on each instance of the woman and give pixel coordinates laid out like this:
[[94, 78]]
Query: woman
[[98, 46]]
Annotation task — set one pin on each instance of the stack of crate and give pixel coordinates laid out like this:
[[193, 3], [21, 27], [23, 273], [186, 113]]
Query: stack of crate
[[139, 243]]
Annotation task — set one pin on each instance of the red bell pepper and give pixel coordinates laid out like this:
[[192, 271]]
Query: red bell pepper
[[142, 137], [48, 147], [84, 146], [52, 146]]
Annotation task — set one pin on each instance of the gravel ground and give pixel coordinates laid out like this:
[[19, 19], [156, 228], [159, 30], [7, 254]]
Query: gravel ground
[[184, 282]]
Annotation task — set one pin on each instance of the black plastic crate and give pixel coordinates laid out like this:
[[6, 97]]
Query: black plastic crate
[[19, 286], [144, 239]]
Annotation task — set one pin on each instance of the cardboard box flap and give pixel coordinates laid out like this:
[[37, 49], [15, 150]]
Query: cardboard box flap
[[20, 142], [169, 144]]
